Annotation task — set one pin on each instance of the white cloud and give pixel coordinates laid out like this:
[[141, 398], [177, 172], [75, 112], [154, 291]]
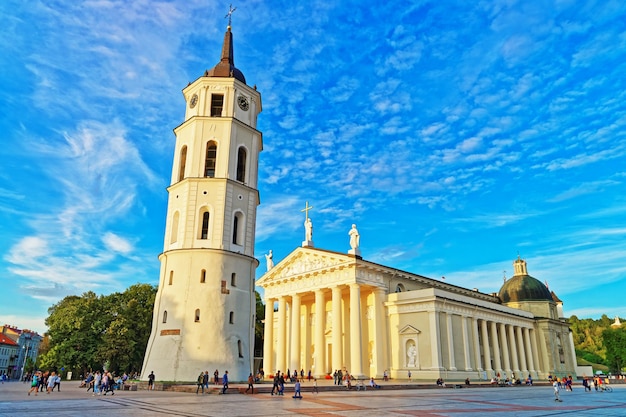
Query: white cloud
[[117, 244]]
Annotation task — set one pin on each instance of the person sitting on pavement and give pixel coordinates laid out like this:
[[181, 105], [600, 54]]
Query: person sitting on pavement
[[440, 382], [373, 383]]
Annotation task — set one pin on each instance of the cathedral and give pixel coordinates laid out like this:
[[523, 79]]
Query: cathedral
[[340, 311], [325, 310]]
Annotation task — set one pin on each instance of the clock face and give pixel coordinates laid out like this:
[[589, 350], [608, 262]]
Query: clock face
[[243, 103], [193, 101]]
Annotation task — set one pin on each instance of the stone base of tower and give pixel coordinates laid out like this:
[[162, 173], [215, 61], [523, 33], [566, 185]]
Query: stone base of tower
[[203, 317]]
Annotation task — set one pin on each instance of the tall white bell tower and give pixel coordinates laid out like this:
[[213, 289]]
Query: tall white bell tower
[[204, 311]]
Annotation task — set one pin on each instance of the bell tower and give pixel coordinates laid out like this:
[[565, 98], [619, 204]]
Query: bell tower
[[204, 311]]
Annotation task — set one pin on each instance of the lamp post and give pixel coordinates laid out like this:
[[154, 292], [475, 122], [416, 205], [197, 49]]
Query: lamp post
[[24, 363]]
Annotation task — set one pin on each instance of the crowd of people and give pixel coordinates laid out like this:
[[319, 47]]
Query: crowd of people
[[43, 381], [102, 383]]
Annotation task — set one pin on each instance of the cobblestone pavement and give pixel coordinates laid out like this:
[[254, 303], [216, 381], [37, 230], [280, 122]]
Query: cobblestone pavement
[[468, 402]]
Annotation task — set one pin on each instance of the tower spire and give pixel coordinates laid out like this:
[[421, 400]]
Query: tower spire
[[226, 66]]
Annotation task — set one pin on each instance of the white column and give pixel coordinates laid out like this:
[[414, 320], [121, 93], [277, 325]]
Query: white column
[[281, 363], [513, 347], [529, 351], [496, 349], [379, 356], [522, 353], [268, 338], [466, 345], [435, 340], [543, 349], [451, 361], [505, 350], [306, 352], [477, 362], [320, 342], [533, 340], [356, 348], [337, 330], [294, 362], [486, 352]]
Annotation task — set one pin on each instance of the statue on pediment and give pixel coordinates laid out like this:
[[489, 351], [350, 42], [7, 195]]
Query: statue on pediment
[[269, 258]]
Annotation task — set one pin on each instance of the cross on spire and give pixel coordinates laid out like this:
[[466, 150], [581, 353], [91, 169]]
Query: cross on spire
[[230, 14], [306, 210]]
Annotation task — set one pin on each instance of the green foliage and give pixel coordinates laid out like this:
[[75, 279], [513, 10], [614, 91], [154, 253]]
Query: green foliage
[[87, 331], [589, 357], [598, 344], [615, 342], [587, 335], [258, 325]]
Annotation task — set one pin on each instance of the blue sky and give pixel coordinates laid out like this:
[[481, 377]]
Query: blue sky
[[455, 134]]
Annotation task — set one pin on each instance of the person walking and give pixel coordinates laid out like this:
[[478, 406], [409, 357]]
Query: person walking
[[205, 381], [250, 384], [200, 383], [216, 377], [225, 382], [275, 383], [555, 385], [296, 393], [281, 384], [96, 383], [315, 389], [34, 386]]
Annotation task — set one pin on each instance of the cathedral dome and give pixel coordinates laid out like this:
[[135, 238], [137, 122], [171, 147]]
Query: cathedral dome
[[522, 287]]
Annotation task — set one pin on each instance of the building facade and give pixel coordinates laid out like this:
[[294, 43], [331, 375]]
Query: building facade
[[327, 311], [204, 311], [18, 347]]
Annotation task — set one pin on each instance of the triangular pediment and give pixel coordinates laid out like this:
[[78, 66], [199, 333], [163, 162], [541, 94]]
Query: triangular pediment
[[408, 329], [305, 262]]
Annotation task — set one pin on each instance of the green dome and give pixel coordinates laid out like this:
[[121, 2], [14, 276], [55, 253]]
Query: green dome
[[524, 288]]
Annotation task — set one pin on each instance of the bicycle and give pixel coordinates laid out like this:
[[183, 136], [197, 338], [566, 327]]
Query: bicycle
[[606, 388]]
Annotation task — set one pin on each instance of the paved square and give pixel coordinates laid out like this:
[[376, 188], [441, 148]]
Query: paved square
[[427, 402]]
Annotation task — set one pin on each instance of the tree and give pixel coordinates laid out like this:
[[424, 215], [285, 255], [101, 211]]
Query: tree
[[615, 342], [258, 325], [88, 331]]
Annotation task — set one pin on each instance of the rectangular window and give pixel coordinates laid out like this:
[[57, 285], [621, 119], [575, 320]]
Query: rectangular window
[[217, 103]]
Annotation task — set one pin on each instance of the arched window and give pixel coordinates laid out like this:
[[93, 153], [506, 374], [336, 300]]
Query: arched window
[[240, 348], [171, 277], [203, 276], [400, 288], [241, 164], [231, 317], [165, 316], [233, 278], [197, 318], [174, 231], [204, 231], [210, 160], [182, 162], [238, 228]]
